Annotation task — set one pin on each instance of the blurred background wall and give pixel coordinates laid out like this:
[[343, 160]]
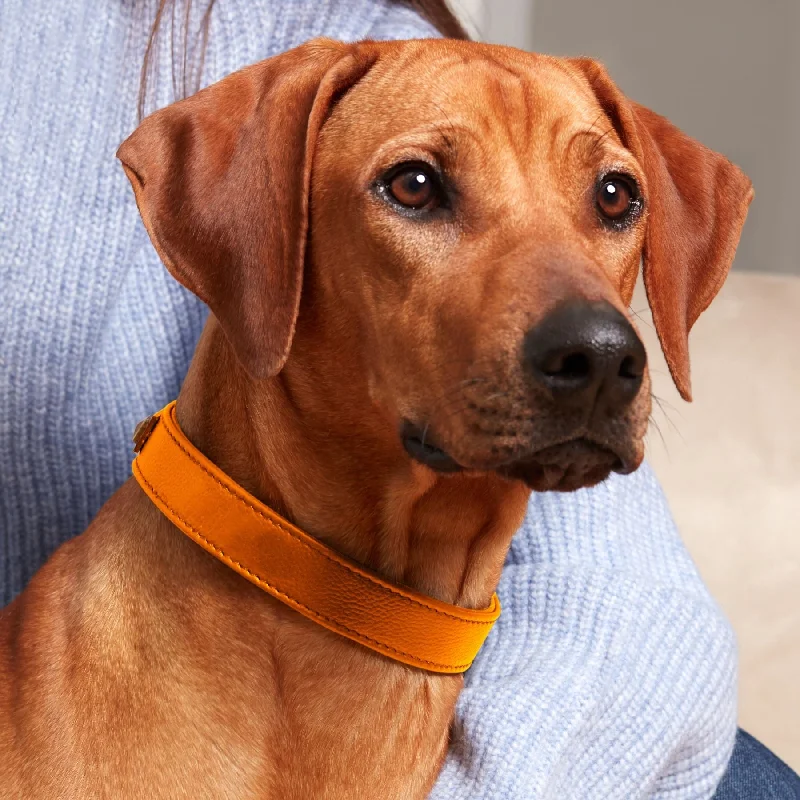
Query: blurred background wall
[[725, 71], [728, 73]]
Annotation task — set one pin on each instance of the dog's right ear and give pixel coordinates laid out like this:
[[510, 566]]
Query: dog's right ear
[[696, 208], [222, 179]]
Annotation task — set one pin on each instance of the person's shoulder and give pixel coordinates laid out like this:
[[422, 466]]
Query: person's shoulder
[[242, 32], [400, 21], [624, 524]]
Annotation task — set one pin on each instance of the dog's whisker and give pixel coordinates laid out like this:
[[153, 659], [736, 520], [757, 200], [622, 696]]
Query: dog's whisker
[[665, 403], [425, 433], [655, 424], [596, 120], [643, 320], [599, 140], [447, 140], [667, 417], [497, 395]]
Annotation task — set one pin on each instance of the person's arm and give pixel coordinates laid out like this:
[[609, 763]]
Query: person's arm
[[242, 33], [611, 673], [399, 21]]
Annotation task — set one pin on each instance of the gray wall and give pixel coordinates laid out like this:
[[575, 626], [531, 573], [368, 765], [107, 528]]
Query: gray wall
[[726, 71]]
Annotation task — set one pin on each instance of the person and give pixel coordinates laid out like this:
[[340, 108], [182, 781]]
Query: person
[[612, 673]]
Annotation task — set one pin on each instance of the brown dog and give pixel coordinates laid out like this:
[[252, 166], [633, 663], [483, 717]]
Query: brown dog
[[419, 258]]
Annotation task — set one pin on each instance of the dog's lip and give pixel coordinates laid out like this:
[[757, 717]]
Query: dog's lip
[[418, 445], [567, 465], [620, 463]]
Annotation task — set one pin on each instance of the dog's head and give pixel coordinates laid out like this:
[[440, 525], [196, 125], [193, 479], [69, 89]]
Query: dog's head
[[471, 219]]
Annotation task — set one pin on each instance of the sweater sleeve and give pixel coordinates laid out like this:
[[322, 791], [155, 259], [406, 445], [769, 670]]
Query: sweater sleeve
[[246, 31], [611, 672], [399, 21]]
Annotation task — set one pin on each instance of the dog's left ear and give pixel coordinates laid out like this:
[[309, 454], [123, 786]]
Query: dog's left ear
[[696, 203], [222, 180]]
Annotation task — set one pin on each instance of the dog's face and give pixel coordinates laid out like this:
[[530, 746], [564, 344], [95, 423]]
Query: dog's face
[[477, 220], [482, 223]]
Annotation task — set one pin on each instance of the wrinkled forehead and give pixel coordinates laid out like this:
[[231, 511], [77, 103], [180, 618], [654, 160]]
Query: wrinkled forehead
[[489, 94]]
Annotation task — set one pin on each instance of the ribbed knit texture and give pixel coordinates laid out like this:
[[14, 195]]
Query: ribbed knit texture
[[611, 673]]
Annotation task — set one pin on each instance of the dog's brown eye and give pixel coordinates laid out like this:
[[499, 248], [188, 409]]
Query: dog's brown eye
[[615, 198], [415, 186]]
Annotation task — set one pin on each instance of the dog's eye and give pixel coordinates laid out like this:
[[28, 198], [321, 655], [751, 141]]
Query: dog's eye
[[415, 186], [616, 198]]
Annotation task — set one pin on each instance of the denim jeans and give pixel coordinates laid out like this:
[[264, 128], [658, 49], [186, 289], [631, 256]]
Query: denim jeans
[[755, 773]]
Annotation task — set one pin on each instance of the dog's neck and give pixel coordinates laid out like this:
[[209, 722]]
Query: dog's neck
[[297, 443]]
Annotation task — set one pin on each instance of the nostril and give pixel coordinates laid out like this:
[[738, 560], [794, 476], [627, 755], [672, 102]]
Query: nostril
[[582, 347], [631, 368], [570, 366]]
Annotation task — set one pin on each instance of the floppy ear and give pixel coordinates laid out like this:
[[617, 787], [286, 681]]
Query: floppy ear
[[221, 180], [696, 203]]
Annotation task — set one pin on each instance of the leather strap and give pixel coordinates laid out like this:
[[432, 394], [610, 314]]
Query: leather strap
[[293, 567]]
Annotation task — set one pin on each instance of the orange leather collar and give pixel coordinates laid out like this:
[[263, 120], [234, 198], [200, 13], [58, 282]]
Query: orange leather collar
[[319, 583]]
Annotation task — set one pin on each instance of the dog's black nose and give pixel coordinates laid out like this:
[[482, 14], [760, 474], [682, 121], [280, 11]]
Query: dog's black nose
[[585, 351]]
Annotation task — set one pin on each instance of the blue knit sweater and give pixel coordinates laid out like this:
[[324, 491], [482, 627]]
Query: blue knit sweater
[[611, 673]]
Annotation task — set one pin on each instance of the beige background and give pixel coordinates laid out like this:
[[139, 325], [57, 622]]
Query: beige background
[[730, 465], [728, 73]]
